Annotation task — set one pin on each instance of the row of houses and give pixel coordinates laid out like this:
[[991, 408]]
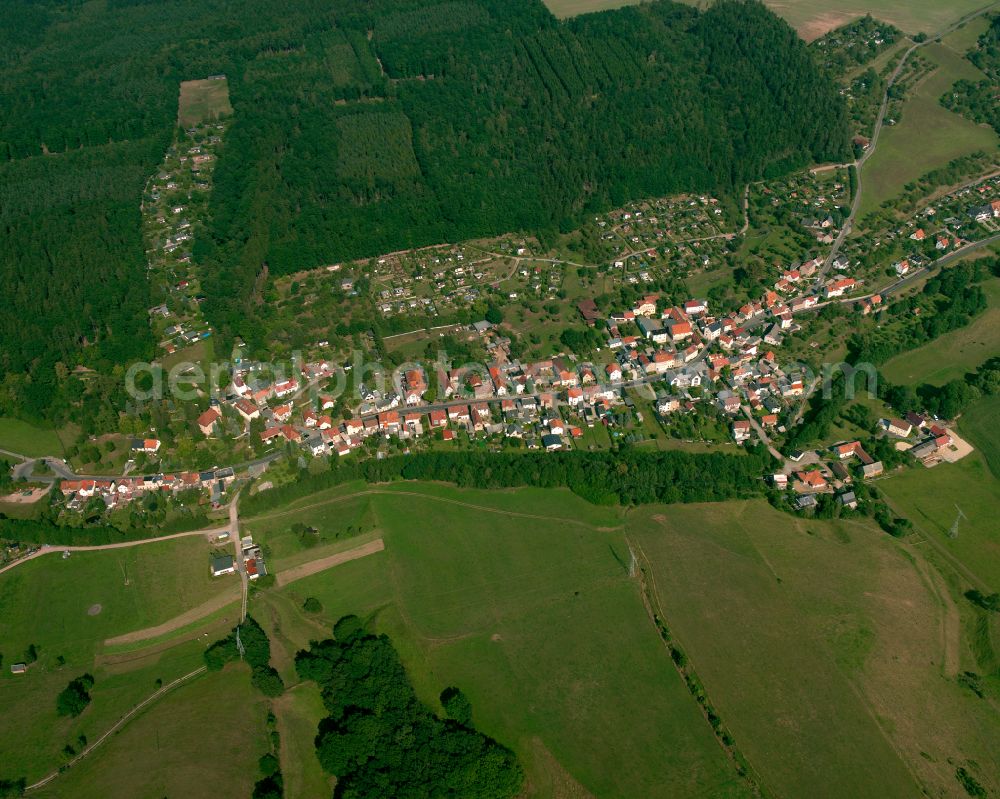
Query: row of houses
[[120, 490]]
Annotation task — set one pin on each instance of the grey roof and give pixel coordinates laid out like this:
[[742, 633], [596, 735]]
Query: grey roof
[[222, 562]]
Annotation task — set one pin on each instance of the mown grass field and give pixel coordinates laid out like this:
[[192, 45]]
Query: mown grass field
[[954, 354], [929, 135], [523, 599], [930, 498], [201, 740], [46, 602], [352, 517], [26, 439], [203, 101], [979, 424], [827, 647]]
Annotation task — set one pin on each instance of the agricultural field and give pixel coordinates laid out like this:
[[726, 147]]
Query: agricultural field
[[203, 101], [954, 354], [829, 649], [200, 740], [932, 498], [534, 590], [928, 136], [813, 18], [67, 608]]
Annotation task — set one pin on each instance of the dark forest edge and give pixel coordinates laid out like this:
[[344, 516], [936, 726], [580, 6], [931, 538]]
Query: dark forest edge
[[522, 123]]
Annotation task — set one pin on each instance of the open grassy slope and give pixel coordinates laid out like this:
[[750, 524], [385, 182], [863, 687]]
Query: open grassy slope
[[954, 354], [538, 622], [26, 439], [928, 497], [979, 425], [828, 649], [201, 740], [48, 602], [929, 135]]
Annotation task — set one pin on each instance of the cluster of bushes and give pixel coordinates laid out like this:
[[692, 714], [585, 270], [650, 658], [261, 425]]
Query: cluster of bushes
[[948, 301], [74, 698], [256, 653], [380, 740], [271, 785]]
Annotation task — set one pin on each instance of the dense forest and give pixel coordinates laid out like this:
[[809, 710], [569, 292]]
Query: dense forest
[[380, 740], [361, 127], [89, 94], [492, 116]]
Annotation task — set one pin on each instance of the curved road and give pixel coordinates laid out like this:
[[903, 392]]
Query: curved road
[[879, 121]]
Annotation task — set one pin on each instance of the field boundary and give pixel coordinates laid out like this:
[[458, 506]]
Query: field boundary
[[679, 659]]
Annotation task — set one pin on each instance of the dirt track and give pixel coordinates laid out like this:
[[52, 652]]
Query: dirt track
[[204, 609], [314, 566], [233, 595]]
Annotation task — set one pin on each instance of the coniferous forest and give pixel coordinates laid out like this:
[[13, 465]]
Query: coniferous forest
[[361, 127]]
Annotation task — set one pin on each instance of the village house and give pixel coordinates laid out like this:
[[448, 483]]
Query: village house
[[811, 480], [838, 287], [741, 430], [148, 445], [898, 427], [207, 421]]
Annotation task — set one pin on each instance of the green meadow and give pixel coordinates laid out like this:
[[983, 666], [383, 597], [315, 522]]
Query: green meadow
[[53, 602], [932, 498], [524, 600], [202, 739], [951, 356], [823, 645], [829, 649], [928, 135], [26, 439], [979, 425]]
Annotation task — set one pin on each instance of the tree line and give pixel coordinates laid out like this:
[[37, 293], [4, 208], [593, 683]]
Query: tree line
[[948, 301], [626, 476]]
